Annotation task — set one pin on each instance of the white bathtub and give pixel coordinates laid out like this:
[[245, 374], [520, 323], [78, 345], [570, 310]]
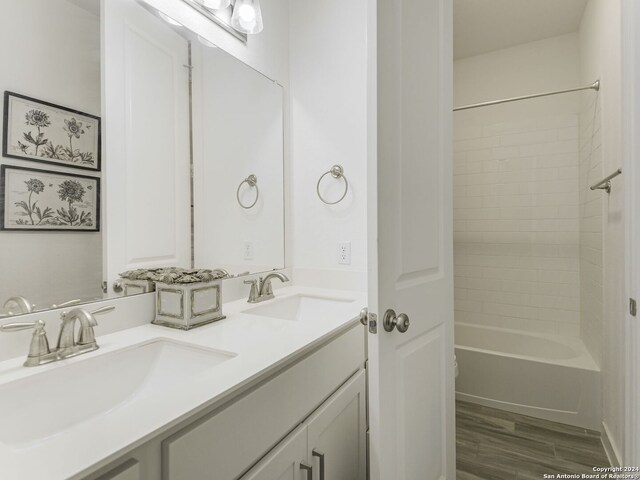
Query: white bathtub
[[533, 374]]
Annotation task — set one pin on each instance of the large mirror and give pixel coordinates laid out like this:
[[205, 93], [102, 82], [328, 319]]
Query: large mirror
[[129, 142]]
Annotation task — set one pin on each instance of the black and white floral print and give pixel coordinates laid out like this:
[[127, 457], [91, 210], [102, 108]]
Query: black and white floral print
[[38, 199], [50, 133]]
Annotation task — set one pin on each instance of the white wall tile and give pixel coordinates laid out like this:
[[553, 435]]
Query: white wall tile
[[517, 224]]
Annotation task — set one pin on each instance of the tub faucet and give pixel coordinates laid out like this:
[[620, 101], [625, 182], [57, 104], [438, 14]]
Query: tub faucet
[[261, 289]]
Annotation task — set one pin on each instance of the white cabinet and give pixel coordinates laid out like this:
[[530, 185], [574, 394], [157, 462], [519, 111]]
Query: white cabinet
[[229, 441], [337, 434], [129, 470], [284, 462], [317, 404], [332, 441]]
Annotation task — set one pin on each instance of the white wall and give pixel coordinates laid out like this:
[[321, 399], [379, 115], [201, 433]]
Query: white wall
[[57, 61], [516, 229], [329, 126], [600, 47], [545, 65]]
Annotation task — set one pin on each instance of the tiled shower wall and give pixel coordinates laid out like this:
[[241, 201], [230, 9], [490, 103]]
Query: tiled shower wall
[[517, 225], [591, 204]]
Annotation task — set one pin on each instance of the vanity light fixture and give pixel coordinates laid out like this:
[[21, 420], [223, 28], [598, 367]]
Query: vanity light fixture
[[247, 16], [216, 4]]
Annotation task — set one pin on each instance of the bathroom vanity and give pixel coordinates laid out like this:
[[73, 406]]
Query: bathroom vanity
[[270, 390]]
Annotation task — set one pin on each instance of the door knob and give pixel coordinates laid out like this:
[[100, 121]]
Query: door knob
[[391, 321], [364, 317]]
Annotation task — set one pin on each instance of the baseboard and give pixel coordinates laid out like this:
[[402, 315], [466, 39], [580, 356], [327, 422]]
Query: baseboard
[[610, 448]]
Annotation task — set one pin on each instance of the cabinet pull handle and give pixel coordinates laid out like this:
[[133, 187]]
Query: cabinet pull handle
[[308, 469], [320, 455]]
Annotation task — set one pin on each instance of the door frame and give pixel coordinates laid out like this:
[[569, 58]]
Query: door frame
[[631, 151]]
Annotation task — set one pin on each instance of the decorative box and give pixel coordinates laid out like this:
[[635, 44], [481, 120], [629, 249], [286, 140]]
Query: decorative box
[[189, 305], [134, 287]]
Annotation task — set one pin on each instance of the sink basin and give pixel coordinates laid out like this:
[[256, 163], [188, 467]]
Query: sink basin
[[48, 403], [304, 308]]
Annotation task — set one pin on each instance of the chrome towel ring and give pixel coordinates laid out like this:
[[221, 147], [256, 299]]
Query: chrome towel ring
[[336, 172], [252, 181]]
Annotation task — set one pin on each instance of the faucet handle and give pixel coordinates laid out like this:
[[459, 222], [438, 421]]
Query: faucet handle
[[39, 341], [67, 303], [101, 310], [253, 294], [16, 327]]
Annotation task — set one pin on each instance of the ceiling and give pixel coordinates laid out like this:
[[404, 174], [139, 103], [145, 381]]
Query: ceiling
[[482, 26]]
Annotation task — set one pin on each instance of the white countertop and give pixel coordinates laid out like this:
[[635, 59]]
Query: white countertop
[[262, 345]]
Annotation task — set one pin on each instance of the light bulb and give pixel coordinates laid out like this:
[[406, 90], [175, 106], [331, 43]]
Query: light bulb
[[247, 16], [169, 20], [216, 4]]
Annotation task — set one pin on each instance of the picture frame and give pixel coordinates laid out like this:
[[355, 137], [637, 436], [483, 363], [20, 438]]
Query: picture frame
[[41, 131], [45, 200]]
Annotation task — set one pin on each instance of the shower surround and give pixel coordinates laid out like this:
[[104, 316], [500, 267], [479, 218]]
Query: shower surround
[[516, 232], [528, 234]]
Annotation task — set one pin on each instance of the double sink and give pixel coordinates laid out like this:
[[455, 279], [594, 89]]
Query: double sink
[[51, 402]]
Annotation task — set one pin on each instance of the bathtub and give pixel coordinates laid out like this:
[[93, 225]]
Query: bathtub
[[540, 375]]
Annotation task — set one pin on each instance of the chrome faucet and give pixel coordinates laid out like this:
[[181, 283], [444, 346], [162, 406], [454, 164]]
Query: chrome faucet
[[68, 346], [261, 289], [86, 336], [24, 305]]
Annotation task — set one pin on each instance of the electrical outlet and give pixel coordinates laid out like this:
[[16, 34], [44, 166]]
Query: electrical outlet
[[344, 253], [248, 250]]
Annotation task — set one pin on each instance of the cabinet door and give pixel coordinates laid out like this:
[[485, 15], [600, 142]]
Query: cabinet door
[[129, 470], [337, 434], [284, 462]]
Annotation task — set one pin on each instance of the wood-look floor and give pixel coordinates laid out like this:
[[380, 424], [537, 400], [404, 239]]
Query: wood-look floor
[[498, 445]]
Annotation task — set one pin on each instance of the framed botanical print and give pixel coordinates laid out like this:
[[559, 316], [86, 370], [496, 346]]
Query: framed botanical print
[[44, 132], [40, 200]]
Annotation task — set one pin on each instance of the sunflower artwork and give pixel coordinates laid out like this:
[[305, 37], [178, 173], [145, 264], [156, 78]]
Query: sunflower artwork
[[44, 200], [44, 132]]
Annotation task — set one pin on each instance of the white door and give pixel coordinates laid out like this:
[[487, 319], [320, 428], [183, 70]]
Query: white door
[[286, 461], [146, 110], [410, 242], [337, 442]]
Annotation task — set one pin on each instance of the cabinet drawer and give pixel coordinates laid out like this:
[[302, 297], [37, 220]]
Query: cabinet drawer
[[225, 444]]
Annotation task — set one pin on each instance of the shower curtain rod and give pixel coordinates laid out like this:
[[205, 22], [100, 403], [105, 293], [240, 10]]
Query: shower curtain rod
[[594, 86]]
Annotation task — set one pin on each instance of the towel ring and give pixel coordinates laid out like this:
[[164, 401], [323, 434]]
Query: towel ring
[[336, 172], [252, 181]]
